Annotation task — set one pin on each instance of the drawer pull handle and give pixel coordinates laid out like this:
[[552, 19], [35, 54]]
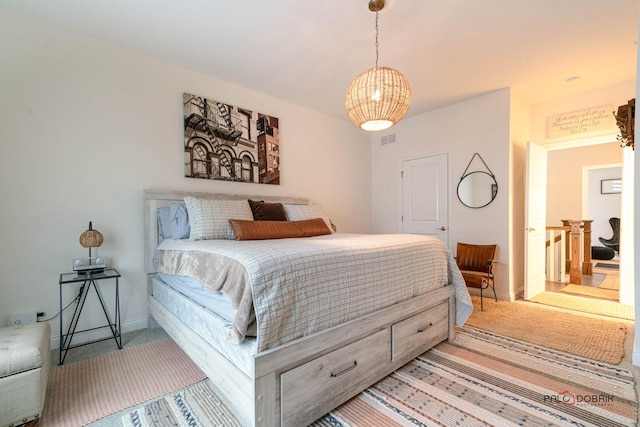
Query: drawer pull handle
[[421, 330], [345, 370]]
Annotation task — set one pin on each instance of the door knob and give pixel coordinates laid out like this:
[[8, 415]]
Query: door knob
[[443, 228]]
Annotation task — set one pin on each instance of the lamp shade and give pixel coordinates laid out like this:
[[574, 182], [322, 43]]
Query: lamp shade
[[91, 238], [378, 98]]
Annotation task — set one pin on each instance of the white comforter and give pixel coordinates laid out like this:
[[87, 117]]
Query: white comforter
[[297, 287]]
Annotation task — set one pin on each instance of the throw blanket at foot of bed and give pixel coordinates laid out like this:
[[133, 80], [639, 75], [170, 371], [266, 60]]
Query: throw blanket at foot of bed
[[300, 286]]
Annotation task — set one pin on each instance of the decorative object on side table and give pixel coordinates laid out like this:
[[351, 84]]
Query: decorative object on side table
[[90, 239]]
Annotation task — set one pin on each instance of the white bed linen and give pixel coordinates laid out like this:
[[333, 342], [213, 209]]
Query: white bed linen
[[217, 303], [210, 327]]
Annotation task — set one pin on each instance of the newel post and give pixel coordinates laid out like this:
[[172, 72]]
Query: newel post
[[575, 273]]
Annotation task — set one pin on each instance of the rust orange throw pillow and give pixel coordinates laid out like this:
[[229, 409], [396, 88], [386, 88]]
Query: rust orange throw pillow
[[262, 230]]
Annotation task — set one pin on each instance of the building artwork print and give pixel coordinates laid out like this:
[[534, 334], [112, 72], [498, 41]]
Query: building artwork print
[[229, 143]]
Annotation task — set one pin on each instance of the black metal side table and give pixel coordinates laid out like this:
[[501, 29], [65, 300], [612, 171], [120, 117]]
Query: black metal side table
[[89, 280]]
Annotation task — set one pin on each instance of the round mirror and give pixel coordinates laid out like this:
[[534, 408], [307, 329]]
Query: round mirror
[[477, 189]]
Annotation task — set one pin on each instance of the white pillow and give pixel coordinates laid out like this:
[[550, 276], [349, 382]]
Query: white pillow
[[303, 212], [209, 219]]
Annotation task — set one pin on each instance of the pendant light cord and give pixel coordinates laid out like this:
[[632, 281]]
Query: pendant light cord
[[376, 39]]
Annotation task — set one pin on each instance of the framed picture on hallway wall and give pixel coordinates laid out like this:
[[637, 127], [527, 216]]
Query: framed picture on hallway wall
[[611, 186], [229, 143]]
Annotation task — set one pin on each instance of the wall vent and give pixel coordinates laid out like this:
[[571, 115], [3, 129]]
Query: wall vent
[[388, 139]]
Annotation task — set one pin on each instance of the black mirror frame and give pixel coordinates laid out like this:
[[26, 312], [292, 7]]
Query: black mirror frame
[[494, 189]]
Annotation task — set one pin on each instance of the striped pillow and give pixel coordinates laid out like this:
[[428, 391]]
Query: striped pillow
[[209, 219]]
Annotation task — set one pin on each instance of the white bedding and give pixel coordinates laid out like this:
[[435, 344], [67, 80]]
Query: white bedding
[[217, 303], [301, 286], [206, 324]]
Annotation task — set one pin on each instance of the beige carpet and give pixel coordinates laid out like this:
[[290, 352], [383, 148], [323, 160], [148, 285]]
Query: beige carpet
[[609, 294], [589, 337], [586, 305], [82, 392]]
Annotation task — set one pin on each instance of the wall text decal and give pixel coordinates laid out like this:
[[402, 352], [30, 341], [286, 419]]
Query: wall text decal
[[578, 123]]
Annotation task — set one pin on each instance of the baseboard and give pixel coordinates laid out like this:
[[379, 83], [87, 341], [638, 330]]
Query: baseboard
[[88, 336]]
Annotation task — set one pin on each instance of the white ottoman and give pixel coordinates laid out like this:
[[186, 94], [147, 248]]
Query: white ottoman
[[25, 361]]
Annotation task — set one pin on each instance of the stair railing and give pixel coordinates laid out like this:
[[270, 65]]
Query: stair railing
[[585, 226], [557, 253], [569, 251]]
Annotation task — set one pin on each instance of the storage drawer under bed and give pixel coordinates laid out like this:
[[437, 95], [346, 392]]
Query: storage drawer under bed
[[423, 330], [331, 379]]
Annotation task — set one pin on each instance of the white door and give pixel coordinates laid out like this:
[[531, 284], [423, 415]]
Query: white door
[[535, 221], [425, 201]]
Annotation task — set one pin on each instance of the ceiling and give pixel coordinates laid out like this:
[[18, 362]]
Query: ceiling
[[308, 52]]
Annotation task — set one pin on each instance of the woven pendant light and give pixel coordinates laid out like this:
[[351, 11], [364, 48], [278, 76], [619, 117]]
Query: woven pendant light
[[379, 97]]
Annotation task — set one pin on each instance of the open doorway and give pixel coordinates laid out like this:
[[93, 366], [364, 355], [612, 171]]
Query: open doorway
[[567, 200], [602, 203]]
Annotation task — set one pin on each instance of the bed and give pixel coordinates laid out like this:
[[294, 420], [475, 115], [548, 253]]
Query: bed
[[292, 341]]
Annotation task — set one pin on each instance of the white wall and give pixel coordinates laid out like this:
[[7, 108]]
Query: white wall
[[602, 207], [477, 125], [86, 126], [565, 179]]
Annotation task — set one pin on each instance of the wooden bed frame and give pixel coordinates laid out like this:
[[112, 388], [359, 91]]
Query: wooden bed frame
[[298, 382]]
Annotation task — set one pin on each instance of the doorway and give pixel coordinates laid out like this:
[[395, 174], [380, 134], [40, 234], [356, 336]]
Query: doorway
[[567, 197]]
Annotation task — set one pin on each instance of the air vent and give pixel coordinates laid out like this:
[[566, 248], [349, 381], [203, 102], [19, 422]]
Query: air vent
[[388, 139]]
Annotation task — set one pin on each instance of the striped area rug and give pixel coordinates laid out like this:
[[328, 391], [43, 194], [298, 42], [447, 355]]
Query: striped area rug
[[194, 406], [487, 379], [85, 391], [479, 379]]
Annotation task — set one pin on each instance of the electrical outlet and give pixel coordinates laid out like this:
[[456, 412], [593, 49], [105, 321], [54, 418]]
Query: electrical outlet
[[17, 319]]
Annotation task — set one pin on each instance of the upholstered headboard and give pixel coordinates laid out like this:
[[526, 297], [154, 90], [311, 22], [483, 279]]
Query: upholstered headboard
[[154, 199]]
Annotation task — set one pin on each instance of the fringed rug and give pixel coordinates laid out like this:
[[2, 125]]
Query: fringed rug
[[484, 379], [82, 392]]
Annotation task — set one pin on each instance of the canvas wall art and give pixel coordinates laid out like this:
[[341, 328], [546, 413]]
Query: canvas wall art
[[225, 142]]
